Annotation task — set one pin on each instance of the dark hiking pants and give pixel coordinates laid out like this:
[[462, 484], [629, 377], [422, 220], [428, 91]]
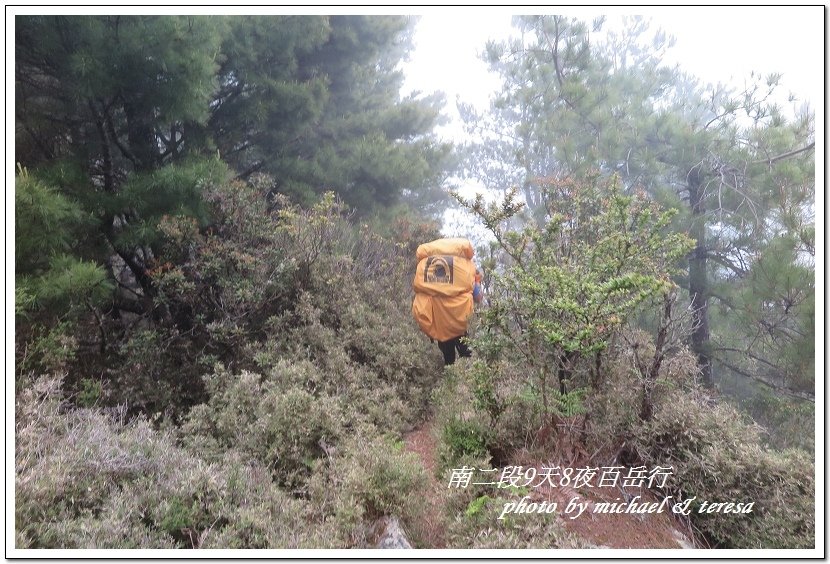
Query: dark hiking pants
[[448, 349]]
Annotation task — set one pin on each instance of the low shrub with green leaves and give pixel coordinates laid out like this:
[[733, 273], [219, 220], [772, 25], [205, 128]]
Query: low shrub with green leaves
[[86, 478], [498, 416], [479, 526], [284, 428], [364, 479], [718, 456]]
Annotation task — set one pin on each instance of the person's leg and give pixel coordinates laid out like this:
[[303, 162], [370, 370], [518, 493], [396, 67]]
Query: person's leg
[[448, 350], [463, 350]]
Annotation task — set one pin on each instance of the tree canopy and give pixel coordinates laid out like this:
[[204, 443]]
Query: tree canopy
[[127, 117], [740, 171]]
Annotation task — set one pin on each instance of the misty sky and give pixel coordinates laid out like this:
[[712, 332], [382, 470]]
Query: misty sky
[[716, 44]]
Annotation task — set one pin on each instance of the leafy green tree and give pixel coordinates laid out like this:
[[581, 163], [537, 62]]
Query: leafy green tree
[[113, 90], [738, 170], [265, 102], [575, 281], [762, 249], [104, 100]]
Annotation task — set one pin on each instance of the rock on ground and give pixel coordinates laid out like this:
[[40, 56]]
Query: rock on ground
[[390, 534]]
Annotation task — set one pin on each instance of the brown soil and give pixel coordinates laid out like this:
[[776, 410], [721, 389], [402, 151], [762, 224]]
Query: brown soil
[[431, 523], [610, 530], [616, 531]]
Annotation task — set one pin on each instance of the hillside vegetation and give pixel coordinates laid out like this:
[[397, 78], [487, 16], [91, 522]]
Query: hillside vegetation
[[216, 224]]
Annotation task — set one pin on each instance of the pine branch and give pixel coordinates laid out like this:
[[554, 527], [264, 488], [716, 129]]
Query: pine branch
[[771, 160], [723, 261], [778, 389], [111, 129], [252, 169]]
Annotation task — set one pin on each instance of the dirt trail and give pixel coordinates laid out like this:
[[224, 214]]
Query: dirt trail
[[432, 525], [616, 531], [610, 530]]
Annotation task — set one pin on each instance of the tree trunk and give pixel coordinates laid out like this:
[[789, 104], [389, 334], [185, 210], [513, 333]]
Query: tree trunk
[[660, 344], [698, 282], [141, 137]]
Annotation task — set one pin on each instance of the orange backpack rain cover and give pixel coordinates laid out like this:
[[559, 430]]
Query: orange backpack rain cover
[[444, 288]]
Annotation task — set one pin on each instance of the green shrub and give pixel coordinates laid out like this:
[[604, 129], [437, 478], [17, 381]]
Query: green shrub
[[458, 499], [517, 425], [87, 479], [485, 409], [366, 479], [48, 349], [718, 457], [571, 284], [311, 316], [462, 438], [285, 428], [90, 393], [365, 350], [360, 334], [479, 527]]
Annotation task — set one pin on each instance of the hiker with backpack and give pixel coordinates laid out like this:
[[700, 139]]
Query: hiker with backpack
[[446, 284]]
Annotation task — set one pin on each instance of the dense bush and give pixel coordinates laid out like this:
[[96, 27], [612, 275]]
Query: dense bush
[[479, 526], [86, 478], [290, 417], [718, 454], [613, 410], [283, 428], [90, 479], [281, 334], [268, 281], [718, 457], [568, 286], [259, 280], [366, 478]]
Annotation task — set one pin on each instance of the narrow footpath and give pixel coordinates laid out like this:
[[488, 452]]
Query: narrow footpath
[[617, 531]]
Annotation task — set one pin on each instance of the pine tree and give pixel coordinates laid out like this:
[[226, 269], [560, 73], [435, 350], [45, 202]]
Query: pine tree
[[736, 168], [126, 116]]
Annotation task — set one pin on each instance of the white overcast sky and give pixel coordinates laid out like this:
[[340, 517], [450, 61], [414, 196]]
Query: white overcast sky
[[716, 44]]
